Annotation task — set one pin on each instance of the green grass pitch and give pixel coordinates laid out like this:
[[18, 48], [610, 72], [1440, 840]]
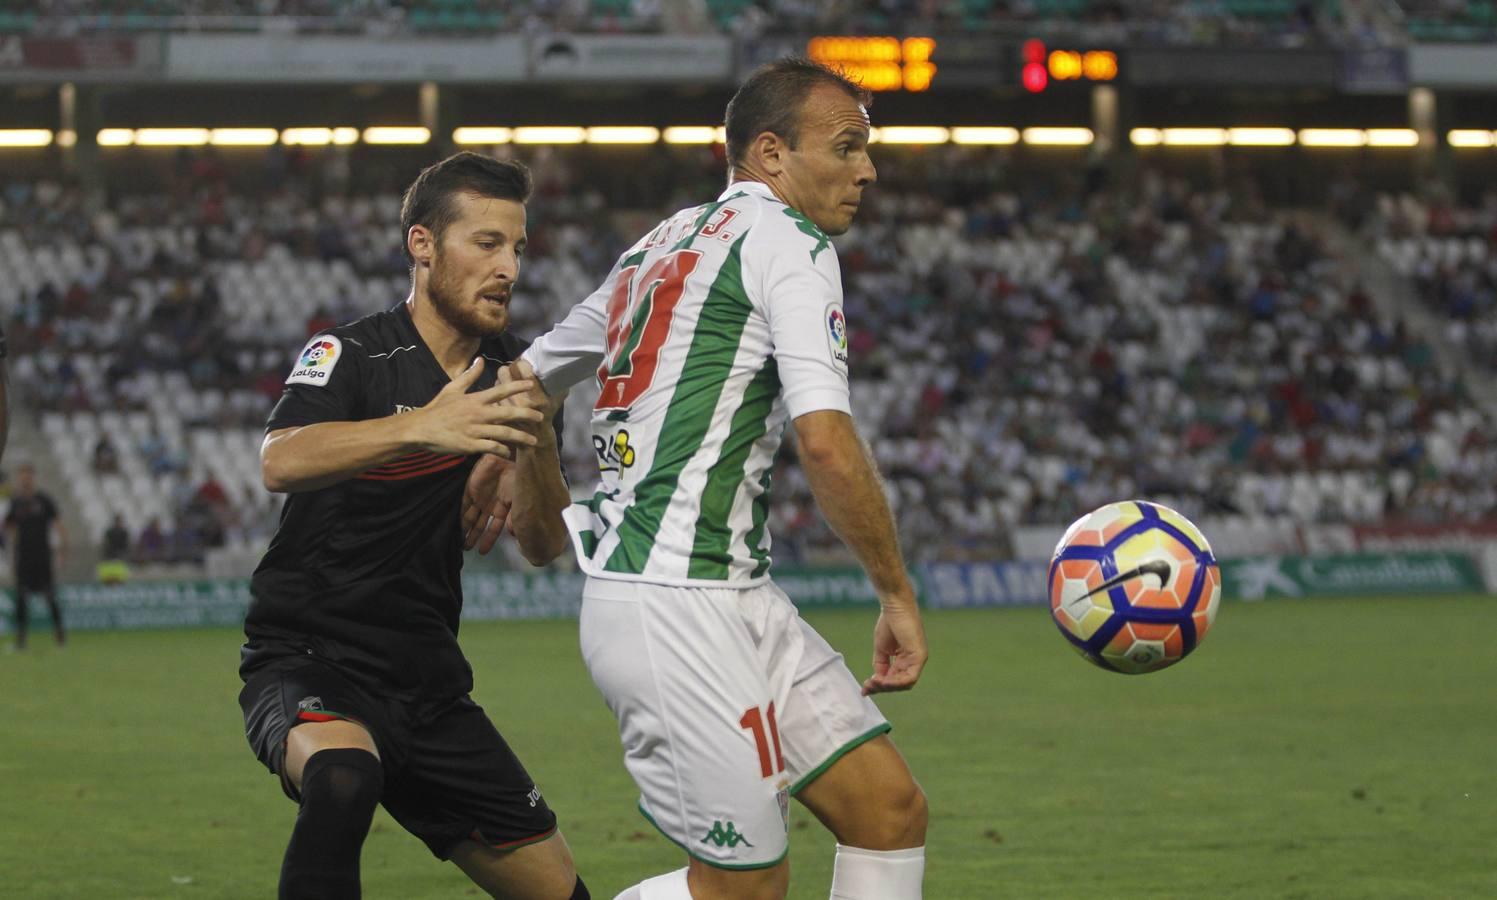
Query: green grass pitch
[[1309, 749]]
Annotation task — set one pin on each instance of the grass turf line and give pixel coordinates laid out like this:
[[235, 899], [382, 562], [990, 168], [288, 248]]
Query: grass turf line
[[1308, 749]]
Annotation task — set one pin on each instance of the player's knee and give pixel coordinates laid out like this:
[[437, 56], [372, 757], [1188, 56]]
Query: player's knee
[[916, 814], [344, 784], [902, 819]]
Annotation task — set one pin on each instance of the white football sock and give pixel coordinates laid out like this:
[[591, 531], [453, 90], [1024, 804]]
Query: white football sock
[[670, 886], [878, 874]]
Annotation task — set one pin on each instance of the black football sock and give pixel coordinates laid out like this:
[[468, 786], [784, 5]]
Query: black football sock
[[339, 790], [56, 608]]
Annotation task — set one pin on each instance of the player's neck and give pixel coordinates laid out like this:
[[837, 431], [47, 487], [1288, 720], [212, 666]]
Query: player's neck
[[749, 173], [453, 349]]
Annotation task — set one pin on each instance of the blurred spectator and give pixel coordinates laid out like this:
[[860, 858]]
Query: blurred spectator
[[158, 455], [152, 545], [115, 549], [116, 543], [106, 458]]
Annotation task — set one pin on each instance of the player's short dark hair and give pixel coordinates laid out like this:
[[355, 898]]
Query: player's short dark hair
[[429, 199], [772, 97]]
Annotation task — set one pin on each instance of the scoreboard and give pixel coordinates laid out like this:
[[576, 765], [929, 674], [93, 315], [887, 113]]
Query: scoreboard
[[918, 63]]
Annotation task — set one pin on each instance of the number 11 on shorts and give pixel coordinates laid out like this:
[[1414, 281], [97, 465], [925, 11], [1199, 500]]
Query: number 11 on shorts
[[753, 720]]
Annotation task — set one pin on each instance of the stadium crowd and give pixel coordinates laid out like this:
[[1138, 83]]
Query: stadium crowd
[[1020, 354], [1279, 22], [1447, 250]]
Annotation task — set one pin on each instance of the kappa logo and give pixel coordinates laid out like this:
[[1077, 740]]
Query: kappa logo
[[809, 229], [317, 361], [836, 332], [725, 836]]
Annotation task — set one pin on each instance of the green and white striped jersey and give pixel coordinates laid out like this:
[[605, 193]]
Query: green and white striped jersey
[[714, 330]]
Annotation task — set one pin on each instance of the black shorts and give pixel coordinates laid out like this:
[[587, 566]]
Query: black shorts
[[34, 579], [449, 775]]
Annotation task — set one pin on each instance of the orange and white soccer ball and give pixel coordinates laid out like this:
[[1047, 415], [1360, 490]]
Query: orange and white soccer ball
[[1134, 587]]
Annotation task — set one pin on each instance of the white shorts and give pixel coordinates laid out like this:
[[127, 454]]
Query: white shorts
[[727, 702]]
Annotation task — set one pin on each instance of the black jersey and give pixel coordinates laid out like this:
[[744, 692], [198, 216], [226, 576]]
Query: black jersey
[[365, 573]]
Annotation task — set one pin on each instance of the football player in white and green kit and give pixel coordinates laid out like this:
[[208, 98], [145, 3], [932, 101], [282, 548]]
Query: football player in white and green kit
[[717, 328]]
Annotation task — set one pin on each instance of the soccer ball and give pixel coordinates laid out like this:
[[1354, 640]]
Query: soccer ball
[[1134, 587]]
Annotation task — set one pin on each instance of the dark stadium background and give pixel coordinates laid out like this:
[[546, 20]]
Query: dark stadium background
[[1292, 344]]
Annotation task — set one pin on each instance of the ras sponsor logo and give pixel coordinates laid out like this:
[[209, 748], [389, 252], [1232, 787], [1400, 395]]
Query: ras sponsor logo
[[317, 361], [614, 455], [836, 332]]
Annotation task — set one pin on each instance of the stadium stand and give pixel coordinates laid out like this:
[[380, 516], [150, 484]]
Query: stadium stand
[[1444, 20], [1284, 22], [1447, 252], [1025, 355]]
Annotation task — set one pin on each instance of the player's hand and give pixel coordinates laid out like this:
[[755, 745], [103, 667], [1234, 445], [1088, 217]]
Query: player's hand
[[458, 422], [899, 651], [487, 498], [536, 397]]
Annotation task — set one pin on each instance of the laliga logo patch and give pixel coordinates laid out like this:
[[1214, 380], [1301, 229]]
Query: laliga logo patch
[[319, 353], [317, 361], [836, 327]]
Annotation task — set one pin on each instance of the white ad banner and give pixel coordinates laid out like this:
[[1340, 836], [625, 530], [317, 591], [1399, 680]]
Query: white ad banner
[[631, 58], [299, 58], [1453, 65]]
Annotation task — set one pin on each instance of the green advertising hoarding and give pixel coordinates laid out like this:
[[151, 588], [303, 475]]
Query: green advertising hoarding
[[486, 596], [1350, 575], [546, 594]]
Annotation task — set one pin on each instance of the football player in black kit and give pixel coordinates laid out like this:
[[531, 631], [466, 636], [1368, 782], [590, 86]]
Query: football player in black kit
[[355, 690]]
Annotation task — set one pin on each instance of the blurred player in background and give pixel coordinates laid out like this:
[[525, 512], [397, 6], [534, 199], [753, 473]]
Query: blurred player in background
[[4, 398], [718, 327], [356, 692], [38, 544]]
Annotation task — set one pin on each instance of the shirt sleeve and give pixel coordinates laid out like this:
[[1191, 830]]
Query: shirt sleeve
[[801, 295], [573, 350], [325, 385]]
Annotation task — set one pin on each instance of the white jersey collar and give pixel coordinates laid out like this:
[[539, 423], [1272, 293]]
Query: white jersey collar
[[757, 188]]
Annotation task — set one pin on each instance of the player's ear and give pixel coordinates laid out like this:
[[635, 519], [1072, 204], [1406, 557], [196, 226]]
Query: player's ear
[[769, 149], [421, 244]]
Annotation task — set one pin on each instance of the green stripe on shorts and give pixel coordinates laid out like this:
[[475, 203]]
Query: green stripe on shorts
[[846, 748]]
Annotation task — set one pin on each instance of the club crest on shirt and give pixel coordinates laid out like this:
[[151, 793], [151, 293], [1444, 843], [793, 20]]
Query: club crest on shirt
[[836, 332], [317, 361]]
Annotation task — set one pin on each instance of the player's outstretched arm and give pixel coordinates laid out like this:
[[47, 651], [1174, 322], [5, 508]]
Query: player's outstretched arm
[[842, 475], [573, 349], [310, 457], [536, 491]]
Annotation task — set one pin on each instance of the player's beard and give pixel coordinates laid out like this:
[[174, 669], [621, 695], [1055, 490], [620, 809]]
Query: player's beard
[[461, 312]]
